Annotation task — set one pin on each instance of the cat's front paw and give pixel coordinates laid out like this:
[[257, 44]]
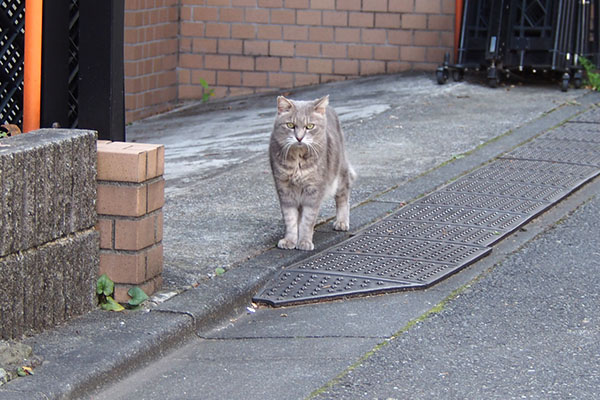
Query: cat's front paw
[[286, 244], [305, 245], [341, 226]]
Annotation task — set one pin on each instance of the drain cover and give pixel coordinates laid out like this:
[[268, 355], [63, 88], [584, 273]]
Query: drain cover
[[445, 231]]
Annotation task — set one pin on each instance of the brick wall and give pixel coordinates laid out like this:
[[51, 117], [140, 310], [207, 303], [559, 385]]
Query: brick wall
[[150, 52], [130, 217], [247, 46]]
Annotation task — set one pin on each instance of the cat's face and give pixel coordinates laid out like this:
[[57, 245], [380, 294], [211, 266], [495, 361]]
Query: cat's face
[[301, 123]]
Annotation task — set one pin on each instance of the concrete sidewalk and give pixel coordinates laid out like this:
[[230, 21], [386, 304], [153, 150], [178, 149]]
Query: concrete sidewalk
[[406, 136]]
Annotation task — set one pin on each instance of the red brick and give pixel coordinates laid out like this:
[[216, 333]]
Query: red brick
[[376, 5], [121, 162], [245, 63], [404, 6], [360, 51], [123, 267], [334, 50], [346, 67], [281, 80], [427, 38], [349, 5], [156, 194], [267, 64], [105, 227], [231, 15], [308, 49], [259, 16], [306, 79], [335, 18], [281, 49], [230, 46], [387, 53], [159, 223], [283, 17], [400, 37], [295, 33], [272, 32], [412, 53], [320, 66], [320, 34], [297, 3], [270, 3], [135, 234], [217, 30], [428, 6], [412, 21], [256, 47], [349, 35], [308, 17], [435, 55], [441, 22], [254, 79], [322, 4], [205, 14], [293, 64], [124, 200], [368, 67], [361, 19], [387, 20], [149, 287], [243, 31], [216, 62], [154, 261], [192, 29], [377, 36]]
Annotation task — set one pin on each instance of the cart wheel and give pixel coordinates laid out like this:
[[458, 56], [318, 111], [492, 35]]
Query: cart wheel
[[564, 84], [458, 75], [441, 75], [493, 78], [577, 83]]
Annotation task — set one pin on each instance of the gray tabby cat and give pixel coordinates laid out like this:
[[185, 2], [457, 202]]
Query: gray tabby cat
[[308, 161]]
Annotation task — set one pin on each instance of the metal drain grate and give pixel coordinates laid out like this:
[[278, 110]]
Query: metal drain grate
[[575, 132], [434, 231], [573, 152], [591, 116], [447, 230]]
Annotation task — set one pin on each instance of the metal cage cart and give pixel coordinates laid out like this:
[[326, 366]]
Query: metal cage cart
[[526, 36]]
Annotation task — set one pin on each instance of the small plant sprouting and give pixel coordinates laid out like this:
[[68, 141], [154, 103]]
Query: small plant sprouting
[[591, 72], [208, 91], [105, 289]]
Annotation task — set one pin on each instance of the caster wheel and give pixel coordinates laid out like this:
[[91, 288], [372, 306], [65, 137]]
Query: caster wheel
[[564, 84], [458, 75], [441, 75], [493, 78], [577, 83]]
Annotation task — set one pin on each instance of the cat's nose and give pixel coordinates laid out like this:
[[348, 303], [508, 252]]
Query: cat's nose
[[299, 139]]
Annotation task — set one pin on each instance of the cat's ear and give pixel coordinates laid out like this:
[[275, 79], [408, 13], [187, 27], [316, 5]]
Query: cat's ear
[[283, 105], [321, 104]]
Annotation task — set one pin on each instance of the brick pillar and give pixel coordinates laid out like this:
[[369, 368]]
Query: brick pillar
[[130, 217]]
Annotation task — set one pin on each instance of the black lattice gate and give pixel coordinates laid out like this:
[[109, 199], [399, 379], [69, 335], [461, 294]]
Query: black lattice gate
[[12, 38]]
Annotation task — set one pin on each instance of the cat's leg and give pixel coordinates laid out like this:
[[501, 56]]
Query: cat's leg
[[290, 218], [308, 218], [342, 203]]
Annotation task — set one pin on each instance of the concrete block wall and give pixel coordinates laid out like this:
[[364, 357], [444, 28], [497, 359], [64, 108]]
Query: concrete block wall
[[247, 46], [130, 217], [48, 244]]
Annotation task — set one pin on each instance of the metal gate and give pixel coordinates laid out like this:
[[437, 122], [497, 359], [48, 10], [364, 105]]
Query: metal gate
[[82, 65]]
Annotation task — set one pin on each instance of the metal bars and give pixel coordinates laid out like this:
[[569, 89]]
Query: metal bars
[[12, 37]]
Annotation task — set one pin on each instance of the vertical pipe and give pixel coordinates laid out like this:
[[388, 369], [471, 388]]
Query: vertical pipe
[[458, 8], [33, 65]]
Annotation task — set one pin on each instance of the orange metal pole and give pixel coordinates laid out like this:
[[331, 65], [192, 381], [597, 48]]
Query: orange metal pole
[[32, 85], [458, 10]]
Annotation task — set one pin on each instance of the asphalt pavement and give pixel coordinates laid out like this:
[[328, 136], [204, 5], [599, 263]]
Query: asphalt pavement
[[406, 137]]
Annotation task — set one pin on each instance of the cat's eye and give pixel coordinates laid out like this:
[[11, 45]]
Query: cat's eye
[[310, 126], [290, 125]]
